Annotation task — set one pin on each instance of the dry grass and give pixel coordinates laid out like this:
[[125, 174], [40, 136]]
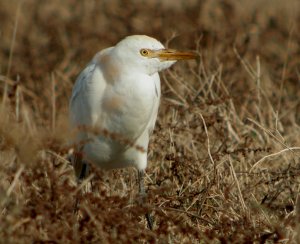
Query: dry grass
[[224, 158]]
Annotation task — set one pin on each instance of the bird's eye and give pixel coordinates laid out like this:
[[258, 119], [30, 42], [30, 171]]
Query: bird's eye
[[144, 52]]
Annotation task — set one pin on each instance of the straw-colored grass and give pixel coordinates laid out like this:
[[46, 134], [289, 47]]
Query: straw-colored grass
[[224, 156]]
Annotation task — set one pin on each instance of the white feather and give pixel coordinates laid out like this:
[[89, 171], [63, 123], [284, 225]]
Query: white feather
[[119, 92]]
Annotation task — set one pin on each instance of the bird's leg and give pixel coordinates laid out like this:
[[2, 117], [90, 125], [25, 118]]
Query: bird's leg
[[81, 171], [142, 192]]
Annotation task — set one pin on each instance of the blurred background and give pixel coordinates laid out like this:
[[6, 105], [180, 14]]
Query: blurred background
[[230, 175], [57, 38]]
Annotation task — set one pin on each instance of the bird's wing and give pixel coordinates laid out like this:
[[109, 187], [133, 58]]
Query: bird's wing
[[85, 106], [87, 93], [81, 104]]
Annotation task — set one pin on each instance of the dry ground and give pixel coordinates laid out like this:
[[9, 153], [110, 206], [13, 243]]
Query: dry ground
[[224, 158]]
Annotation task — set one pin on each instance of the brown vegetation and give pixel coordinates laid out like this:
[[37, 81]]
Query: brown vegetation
[[224, 158]]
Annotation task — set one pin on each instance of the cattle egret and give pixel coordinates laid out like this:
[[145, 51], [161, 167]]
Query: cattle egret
[[118, 94]]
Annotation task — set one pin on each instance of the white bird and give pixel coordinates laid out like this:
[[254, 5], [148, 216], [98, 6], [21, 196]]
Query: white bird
[[115, 102]]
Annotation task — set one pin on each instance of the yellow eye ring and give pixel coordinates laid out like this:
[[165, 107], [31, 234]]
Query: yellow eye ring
[[144, 52]]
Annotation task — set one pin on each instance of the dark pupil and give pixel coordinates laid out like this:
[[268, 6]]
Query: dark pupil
[[144, 52]]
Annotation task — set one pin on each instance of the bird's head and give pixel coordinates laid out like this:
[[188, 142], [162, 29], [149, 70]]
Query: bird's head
[[144, 53]]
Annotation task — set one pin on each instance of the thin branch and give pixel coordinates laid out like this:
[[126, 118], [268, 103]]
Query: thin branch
[[272, 155]]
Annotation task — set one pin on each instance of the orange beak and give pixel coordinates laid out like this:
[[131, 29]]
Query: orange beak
[[172, 55]]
